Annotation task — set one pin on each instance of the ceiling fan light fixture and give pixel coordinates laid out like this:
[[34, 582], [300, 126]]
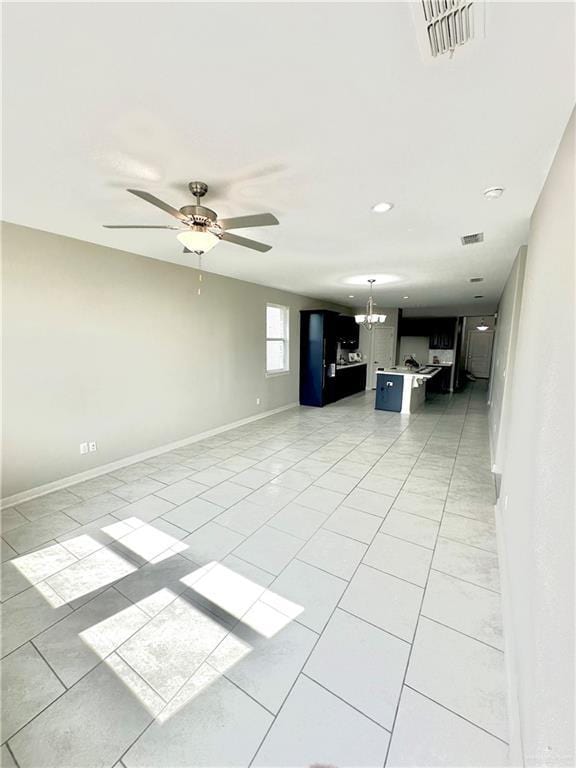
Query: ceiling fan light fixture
[[198, 240]]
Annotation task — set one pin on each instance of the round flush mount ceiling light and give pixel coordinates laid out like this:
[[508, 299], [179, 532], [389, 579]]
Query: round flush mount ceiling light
[[198, 240], [493, 193], [351, 296], [378, 279], [479, 297], [405, 297], [382, 207]]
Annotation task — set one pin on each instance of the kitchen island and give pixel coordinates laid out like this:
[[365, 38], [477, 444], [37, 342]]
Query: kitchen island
[[402, 389]]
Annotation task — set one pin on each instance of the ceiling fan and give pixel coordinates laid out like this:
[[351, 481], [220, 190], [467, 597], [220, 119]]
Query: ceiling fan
[[200, 228]]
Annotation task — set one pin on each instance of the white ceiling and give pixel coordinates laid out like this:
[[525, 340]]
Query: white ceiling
[[311, 111]]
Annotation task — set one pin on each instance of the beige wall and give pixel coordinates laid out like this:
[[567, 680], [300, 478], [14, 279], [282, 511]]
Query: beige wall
[[503, 355], [536, 502], [104, 345]]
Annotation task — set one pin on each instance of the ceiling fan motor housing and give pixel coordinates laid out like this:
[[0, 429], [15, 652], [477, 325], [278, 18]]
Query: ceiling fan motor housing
[[199, 213]]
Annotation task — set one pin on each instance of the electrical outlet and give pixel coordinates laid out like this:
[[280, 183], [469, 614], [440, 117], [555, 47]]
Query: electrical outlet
[[83, 448], [92, 446], [257, 401]]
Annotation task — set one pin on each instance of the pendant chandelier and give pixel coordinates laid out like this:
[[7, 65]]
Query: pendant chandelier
[[371, 318]]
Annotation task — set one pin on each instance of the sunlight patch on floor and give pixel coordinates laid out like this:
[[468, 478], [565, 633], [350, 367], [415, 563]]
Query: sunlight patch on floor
[[144, 540]]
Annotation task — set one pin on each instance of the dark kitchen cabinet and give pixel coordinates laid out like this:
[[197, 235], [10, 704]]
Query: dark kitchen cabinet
[[440, 330], [389, 390], [442, 333], [350, 380], [440, 382], [348, 332], [318, 346], [321, 382]]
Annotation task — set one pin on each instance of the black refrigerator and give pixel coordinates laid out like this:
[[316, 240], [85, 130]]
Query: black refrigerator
[[318, 348]]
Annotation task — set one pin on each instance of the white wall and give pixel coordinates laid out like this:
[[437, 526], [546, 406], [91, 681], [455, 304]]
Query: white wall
[[104, 345], [415, 346], [503, 355], [536, 503]]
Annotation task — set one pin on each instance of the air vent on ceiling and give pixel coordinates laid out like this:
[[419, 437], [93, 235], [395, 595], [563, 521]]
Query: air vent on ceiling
[[477, 237], [445, 25]]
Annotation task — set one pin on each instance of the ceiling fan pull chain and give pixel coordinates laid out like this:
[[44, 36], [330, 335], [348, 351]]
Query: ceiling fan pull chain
[[199, 273]]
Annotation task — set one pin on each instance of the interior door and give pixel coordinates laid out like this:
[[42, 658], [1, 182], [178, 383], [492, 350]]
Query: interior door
[[383, 338], [479, 353]]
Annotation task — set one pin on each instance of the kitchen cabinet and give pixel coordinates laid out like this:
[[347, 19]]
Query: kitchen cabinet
[[318, 347], [442, 333], [441, 382], [321, 380], [348, 332], [440, 330], [350, 379]]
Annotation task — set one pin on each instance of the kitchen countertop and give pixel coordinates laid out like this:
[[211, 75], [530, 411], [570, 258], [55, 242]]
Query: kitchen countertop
[[348, 365], [403, 371]]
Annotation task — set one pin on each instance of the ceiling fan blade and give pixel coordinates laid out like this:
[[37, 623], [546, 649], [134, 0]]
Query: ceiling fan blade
[[258, 220], [237, 240], [136, 226], [158, 203]]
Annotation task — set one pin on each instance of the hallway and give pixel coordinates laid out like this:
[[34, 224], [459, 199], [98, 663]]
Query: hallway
[[317, 587]]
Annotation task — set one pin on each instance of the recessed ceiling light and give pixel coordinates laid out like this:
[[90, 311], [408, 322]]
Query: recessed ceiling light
[[493, 193], [405, 297], [351, 296], [382, 207], [476, 279], [478, 297]]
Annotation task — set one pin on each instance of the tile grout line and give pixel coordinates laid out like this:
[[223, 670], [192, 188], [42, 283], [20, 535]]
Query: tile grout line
[[464, 634], [50, 667], [419, 615], [348, 704], [466, 581], [453, 712], [336, 607]]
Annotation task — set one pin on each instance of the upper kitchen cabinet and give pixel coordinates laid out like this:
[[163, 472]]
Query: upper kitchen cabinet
[[439, 330], [442, 333], [347, 332]]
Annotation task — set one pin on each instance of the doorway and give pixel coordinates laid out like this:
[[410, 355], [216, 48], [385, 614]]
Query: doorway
[[479, 354], [382, 350]]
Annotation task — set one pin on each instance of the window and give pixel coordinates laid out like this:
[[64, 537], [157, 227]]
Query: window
[[277, 323]]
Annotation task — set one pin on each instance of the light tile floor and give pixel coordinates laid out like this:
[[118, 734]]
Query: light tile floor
[[316, 588]]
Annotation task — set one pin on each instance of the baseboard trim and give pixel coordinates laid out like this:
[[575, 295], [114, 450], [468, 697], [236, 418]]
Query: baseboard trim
[[56, 485], [516, 749]]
